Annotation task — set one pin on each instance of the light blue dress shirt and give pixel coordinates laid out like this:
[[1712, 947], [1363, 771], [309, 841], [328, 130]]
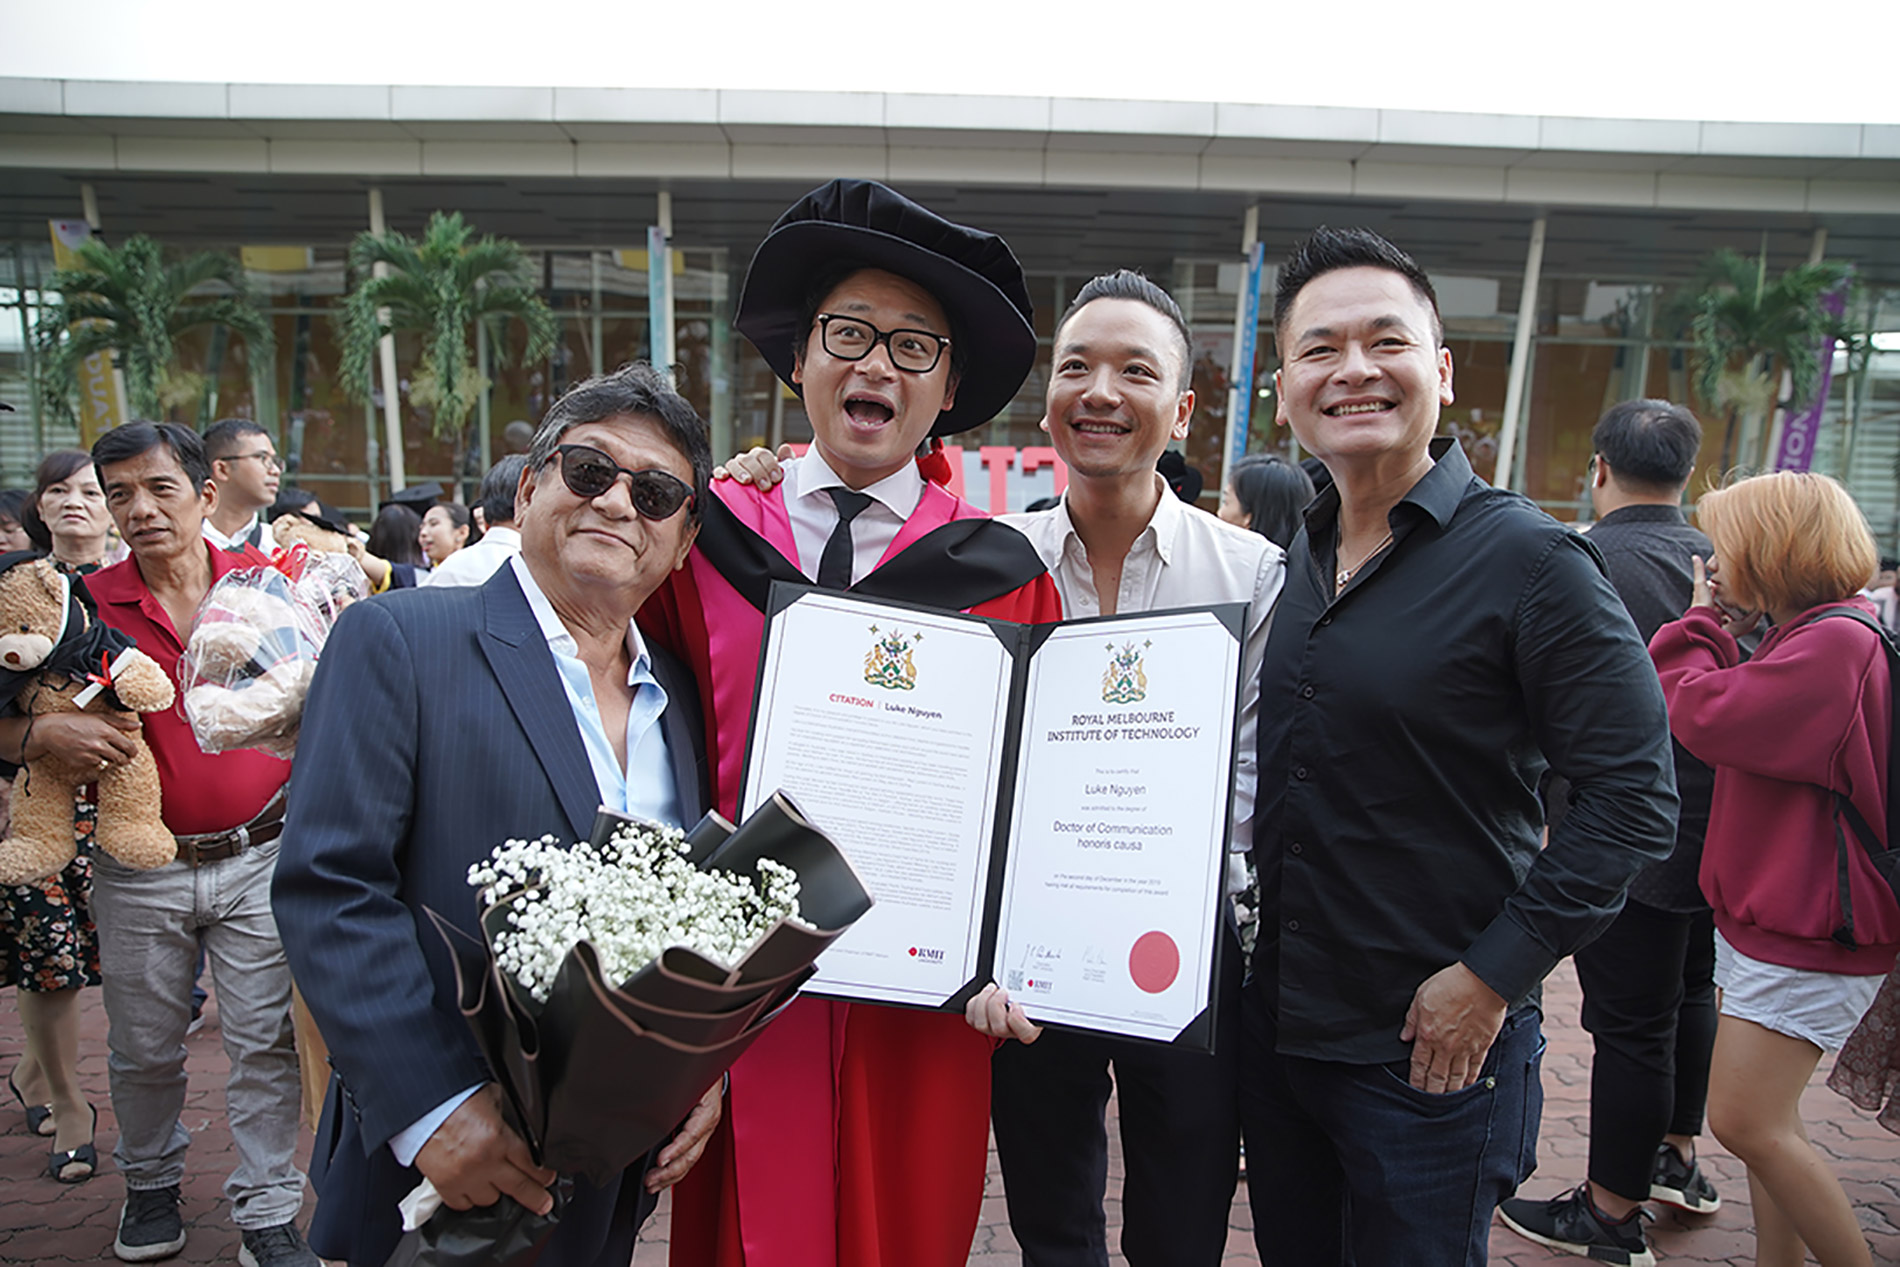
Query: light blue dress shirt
[[645, 789]]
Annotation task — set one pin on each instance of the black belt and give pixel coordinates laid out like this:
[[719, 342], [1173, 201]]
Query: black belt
[[215, 846]]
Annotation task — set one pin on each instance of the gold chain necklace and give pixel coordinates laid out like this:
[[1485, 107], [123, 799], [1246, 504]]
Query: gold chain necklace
[[1346, 574]]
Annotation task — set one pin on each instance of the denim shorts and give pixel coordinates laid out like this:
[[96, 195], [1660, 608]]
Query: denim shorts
[[1821, 1007]]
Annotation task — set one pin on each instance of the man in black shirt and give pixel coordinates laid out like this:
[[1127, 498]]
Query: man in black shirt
[[1438, 642], [1649, 980]]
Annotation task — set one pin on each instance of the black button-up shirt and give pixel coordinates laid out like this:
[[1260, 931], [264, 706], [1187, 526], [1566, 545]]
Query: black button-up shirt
[[1403, 730]]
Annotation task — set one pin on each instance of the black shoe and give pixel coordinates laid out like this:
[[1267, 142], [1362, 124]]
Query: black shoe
[[278, 1246], [39, 1117], [1680, 1183], [149, 1226], [1573, 1224], [61, 1167]]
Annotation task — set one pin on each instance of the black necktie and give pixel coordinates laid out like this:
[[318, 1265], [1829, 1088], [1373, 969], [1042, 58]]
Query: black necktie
[[834, 565]]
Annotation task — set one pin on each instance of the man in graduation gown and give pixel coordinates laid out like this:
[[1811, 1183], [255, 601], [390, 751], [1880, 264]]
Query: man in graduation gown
[[854, 1134]]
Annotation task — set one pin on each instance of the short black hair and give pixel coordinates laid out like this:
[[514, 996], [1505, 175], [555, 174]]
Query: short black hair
[[135, 439], [1328, 250], [223, 437], [1273, 492], [636, 390], [497, 497], [1650, 443], [832, 276], [1127, 283]]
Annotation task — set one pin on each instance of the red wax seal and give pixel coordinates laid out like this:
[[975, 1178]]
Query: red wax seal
[[1155, 962]]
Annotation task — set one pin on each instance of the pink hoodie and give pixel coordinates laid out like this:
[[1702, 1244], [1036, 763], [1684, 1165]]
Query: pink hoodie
[[1809, 715]]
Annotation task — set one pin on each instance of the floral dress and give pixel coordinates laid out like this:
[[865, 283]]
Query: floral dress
[[47, 939]]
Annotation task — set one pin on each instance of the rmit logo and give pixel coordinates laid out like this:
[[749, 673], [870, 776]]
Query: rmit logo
[[927, 954]]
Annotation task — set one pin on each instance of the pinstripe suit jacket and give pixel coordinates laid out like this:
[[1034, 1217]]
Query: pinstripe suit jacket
[[436, 727]]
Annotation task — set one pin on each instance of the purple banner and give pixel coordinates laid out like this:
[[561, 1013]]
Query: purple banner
[[1799, 431]]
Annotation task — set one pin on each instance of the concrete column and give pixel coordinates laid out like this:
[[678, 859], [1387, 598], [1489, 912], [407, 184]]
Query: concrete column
[[1240, 376], [392, 392], [660, 286], [1519, 380]]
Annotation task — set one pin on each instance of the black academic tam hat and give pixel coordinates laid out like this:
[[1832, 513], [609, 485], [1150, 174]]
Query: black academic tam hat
[[973, 274], [418, 497]]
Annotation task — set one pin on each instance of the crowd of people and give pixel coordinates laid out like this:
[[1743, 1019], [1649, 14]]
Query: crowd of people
[[1471, 742]]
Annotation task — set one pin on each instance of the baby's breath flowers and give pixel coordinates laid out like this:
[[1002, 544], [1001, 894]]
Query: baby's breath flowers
[[631, 898]]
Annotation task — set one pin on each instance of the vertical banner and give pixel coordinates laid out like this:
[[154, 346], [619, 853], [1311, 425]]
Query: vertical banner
[[1795, 452], [659, 300], [1240, 393], [100, 408]]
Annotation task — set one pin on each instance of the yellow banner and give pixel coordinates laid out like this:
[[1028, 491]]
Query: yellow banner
[[278, 259], [635, 260], [101, 405]]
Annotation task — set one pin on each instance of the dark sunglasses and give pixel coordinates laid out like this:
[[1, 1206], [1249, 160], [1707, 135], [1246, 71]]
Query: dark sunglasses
[[589, 473]]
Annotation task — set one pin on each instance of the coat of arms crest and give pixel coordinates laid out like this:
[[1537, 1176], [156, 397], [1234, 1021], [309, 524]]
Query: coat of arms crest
[[1124, 682], [888, 663]]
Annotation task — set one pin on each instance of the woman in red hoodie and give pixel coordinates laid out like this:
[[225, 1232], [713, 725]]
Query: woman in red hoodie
[[1809, 716]]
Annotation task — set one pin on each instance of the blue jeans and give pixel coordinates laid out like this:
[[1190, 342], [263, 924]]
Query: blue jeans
[[1350, 1164]]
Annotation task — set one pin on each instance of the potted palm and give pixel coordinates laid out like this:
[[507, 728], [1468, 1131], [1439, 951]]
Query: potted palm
[[130, 302], [1746, 330], [439, 286]]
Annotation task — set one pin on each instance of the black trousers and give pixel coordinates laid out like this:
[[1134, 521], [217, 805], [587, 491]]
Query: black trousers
[[1649, 1002], [1180, 1134]]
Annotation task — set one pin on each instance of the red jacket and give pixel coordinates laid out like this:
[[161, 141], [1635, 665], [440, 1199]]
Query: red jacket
[[1809, 715]]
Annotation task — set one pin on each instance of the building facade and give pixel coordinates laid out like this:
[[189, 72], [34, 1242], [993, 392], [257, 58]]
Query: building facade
[[1556, 244]]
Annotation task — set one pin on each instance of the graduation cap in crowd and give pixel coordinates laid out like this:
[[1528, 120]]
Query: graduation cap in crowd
[[418, 497]]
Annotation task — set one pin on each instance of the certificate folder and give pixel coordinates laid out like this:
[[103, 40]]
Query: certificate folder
[[1043, 806]]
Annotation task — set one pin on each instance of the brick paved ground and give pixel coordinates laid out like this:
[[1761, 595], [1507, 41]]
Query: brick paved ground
[[44, 1222]]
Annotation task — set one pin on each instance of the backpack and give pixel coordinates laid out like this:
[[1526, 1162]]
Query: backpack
[[1886, 859]]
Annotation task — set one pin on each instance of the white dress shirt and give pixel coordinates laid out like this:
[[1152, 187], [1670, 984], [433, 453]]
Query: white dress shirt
[[251, 533], [645, 789], [473, 565], [1185, 557], [813, 514]]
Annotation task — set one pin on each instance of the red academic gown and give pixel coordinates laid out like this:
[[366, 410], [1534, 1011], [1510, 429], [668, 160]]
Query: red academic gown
[[854, 1135]]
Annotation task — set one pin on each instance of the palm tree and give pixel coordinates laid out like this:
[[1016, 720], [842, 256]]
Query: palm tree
[[129, 302], [1745, 330], [440, 286]]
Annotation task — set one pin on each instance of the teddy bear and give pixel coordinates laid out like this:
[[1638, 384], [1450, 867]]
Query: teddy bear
[[248, 664], [319, 534], [56, 657]]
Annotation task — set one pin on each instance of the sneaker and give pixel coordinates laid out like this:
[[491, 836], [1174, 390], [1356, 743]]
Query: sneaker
[[279, 1246], [149, 1226], [1573, 1224], [1680, 1183]]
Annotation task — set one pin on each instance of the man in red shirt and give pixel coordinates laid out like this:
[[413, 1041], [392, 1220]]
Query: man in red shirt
[[226, 811]]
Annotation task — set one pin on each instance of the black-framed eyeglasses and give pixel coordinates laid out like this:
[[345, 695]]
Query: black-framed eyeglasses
[[849, 339], [589, 473], [270, 460]]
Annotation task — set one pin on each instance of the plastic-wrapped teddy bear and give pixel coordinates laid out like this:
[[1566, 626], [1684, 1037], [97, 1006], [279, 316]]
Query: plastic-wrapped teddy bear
[[254, 646], [55, 657]]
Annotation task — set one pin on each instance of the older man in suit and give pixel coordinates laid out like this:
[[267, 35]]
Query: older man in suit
[[443, 721]]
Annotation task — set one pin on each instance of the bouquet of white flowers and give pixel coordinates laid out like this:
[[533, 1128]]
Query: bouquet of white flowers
[[617, 980]]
